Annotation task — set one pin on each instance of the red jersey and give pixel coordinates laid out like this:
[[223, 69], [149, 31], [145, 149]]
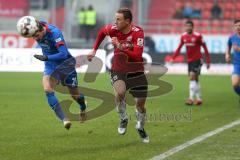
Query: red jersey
[[132, 43], [193, 44]]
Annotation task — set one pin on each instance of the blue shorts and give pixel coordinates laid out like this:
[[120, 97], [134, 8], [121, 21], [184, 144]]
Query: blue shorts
[[236, 69], [64, 72]]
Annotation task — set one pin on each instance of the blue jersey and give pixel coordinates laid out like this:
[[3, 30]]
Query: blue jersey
[[235, 40], [60, 63], [53, 46]]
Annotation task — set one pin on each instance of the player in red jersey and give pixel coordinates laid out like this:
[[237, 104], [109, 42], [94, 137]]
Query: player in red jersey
[[128, 41], [193, 42]]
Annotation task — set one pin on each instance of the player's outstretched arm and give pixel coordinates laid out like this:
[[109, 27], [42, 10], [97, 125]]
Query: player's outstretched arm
[[228, 54], [91, 55], [177, 52], [207, 55], [101, 35]]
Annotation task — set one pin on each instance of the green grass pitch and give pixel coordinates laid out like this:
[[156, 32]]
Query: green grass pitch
[[29, 130]]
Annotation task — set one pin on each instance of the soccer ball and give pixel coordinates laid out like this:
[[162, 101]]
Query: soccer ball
[[27, 26]]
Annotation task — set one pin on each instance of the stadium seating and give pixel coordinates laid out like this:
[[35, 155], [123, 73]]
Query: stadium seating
[[161, 16]]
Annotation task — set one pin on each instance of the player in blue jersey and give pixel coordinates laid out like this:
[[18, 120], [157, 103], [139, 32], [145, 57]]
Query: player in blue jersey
[[59, 67], [234, 42]]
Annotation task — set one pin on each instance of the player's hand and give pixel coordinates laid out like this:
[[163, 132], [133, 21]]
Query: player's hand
[[41, 57], [170, 61], [228, 58], [91, 55], [208, 65], [115, 41], [236, 48]]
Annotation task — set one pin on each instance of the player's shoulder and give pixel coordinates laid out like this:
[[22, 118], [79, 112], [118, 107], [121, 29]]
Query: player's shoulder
[[136, 29], [184, 34], [50, 28], [233, 35], [54, 29], [197, 33]]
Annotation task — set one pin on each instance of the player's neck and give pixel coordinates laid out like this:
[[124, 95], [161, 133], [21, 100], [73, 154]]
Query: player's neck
[[44, 30], [127, 29]]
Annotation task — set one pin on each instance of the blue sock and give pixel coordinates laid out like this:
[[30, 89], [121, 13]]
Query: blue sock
[[53, 103], [237, 89], [81, 102]]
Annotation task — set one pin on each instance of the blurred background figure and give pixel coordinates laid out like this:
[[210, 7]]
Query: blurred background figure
[[197, 12], [82, 22], [187, 11], [126, 3], [178, 12], [216, 11], [91, 21]]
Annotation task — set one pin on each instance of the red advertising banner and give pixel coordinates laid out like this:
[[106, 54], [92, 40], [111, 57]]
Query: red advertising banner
[[16, 41], [13, 8]]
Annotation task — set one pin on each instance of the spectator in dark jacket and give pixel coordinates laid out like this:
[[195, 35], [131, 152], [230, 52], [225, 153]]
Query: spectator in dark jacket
[[216, 11]]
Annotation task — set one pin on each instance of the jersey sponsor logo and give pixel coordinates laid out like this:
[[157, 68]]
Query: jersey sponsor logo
[[140, 42], [193, 39], [129, 38], [190, 44], [58, 39]]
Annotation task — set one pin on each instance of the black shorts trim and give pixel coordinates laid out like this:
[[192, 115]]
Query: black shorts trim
[[195, 66], [136, 82]]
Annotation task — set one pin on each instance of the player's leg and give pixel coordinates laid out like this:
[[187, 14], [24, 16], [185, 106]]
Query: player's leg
[[196, 88], [70, 80], [141, 117], [236, 79], [236, 83], [137, 82], [49, 84], [119, 87], [80, 99], [192, 87], [198, 92], [194, 69]]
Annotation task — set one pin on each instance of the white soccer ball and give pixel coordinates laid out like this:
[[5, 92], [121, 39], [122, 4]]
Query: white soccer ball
[[27, 26]]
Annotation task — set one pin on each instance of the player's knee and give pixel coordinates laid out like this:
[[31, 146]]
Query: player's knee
[[120, 95], [140, 103], [48, 88], [193, 76], [235, 85], [75, 97]]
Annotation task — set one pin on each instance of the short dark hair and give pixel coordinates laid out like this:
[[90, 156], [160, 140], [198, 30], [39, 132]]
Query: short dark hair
[[127, 14], [40, 26], [236, 21], [189, 22]]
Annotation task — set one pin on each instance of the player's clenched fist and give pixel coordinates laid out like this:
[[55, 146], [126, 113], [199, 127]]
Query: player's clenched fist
[[228, 58], [91, 55]]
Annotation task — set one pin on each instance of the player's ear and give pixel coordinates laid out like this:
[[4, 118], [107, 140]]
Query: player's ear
[[128, 21]]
